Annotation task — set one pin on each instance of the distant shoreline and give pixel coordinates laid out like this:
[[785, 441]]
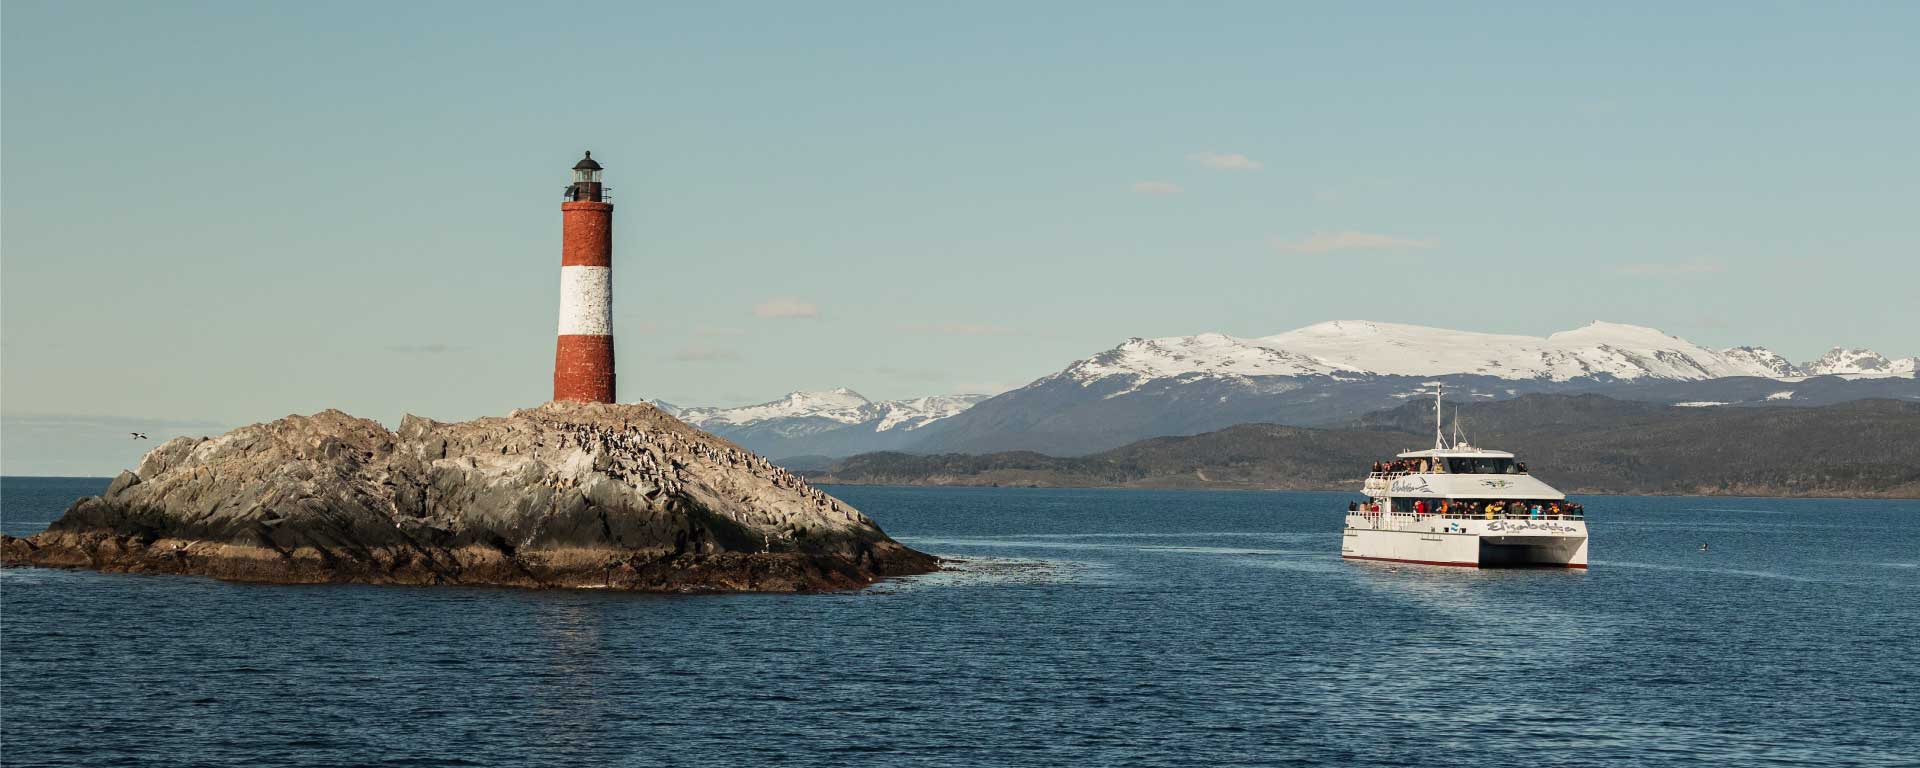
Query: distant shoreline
[[1588, 444], [1355, 489]]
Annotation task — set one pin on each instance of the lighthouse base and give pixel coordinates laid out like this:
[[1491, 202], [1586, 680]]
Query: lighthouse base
[[583, 369]]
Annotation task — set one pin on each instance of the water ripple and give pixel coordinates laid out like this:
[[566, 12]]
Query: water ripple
[[1071, 628]]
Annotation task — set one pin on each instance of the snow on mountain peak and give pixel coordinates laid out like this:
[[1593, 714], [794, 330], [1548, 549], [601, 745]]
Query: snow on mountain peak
[[839, 397], [841, 405], [920, 411], [1600, 349], [1601, 332], [1211, 353], [1841, 361], [1767, 359]]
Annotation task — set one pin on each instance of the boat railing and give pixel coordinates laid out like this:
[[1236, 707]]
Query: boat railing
[[1503, 515], [1510, 516]]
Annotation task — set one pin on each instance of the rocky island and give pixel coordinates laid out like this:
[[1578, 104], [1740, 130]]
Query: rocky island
[[579, 495]]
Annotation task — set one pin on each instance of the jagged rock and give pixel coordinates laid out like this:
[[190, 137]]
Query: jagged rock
[[563, 495]]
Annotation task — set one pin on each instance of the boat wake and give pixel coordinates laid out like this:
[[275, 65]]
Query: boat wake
[[996, 572]]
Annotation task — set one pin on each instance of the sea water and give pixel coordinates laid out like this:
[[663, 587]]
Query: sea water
[[1079, 627]]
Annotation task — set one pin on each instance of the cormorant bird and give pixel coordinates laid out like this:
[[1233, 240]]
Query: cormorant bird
[[138, 435]]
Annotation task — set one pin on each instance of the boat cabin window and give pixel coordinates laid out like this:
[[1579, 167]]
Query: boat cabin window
[[1482, 466]]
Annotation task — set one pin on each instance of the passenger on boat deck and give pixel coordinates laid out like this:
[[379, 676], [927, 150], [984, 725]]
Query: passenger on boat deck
[[1420, 508], [1493, 508], [1534, 511]]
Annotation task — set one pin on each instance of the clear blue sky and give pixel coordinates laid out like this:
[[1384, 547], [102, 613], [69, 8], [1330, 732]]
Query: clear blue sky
[[227, 212]]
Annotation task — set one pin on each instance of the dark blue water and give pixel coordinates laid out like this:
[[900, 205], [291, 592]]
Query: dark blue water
[[1089, 628]]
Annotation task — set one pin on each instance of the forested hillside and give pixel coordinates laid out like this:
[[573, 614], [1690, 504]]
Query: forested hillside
[[1581, 443]]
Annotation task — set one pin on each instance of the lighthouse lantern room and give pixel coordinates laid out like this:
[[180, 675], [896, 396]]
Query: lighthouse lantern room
[[586, 182]]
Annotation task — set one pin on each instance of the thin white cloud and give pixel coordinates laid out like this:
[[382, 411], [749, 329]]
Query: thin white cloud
[[1156, 188], [960, 329], [785, 306], [1225, 161], [1694, 267], [695, 353], [1329, 242]]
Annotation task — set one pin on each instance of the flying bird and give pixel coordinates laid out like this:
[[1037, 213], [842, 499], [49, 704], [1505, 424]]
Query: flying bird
[[138, 435]]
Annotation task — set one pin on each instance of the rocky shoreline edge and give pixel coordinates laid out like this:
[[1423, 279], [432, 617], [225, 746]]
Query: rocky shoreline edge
[[565, 495]]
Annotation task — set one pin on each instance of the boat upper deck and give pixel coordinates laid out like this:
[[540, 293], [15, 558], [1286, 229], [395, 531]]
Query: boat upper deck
[[1465, 452], [1456, 469], [1447, 485]]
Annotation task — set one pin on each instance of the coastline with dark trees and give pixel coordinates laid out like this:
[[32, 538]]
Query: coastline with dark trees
[[1580, 443]]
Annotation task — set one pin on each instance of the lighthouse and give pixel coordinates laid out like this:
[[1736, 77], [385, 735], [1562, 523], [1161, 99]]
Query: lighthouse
[[583, 362]]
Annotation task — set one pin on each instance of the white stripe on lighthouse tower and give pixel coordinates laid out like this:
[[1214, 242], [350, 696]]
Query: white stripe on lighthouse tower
[[586, 301]]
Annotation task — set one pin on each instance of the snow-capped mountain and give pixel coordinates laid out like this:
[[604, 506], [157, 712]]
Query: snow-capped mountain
[[914, 413], [1329, 373], [1207, 353], [1764, 359], [1348, 347], [831, 422], [841, 406], [1843, 361], [1333, 372]]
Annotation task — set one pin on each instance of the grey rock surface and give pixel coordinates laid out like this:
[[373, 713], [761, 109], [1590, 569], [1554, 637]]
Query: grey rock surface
[[563, 495]]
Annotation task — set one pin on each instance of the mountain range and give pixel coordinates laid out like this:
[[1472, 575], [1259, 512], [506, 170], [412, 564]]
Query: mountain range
[[835, 422], [1323, 374]]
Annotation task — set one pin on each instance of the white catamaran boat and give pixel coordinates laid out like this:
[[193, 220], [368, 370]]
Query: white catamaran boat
[[1461, 505]]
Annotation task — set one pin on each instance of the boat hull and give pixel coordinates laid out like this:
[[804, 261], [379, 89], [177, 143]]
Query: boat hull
[[1431, 540]]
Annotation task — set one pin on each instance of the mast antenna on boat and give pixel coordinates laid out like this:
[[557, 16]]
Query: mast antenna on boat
[[1439, 438]]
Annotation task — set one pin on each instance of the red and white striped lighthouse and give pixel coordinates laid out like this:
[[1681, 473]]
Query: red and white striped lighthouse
[[583, 364]]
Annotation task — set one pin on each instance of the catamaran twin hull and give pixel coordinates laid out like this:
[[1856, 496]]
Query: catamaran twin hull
[[1467, 542]]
